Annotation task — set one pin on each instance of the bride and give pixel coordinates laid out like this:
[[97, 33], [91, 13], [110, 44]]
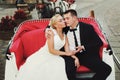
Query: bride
[[46, 63]]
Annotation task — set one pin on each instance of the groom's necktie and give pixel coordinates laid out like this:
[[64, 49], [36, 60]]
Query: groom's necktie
[[75, 38]]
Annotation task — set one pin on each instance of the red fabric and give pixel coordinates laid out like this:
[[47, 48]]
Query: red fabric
[[29, 26], [17, 48], [83, 69], [30, 37], [71, 1], [26, 37], [32, 41]]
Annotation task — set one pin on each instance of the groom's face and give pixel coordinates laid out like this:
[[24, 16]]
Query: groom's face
[[69, 20]]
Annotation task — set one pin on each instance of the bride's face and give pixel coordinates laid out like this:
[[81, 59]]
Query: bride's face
[[60, 23]]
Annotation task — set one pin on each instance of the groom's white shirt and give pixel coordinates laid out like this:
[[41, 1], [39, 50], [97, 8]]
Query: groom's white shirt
[[71, 38]]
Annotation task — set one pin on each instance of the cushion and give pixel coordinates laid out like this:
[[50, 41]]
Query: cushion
[[32, 41]]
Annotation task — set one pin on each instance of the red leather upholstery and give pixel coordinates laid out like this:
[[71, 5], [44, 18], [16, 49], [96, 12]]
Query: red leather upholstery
[[29, 26], [17, 48], [31, 46], [30, 37]]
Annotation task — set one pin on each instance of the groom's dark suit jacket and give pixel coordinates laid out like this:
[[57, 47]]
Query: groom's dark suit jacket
[[90, 40], [90, 56]]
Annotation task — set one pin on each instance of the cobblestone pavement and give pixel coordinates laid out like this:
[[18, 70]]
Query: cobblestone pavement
[[111, 18], [3, 45], [107, 12], [4, 10]]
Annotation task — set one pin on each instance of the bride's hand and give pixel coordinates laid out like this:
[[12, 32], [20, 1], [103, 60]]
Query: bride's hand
[[76, 60]]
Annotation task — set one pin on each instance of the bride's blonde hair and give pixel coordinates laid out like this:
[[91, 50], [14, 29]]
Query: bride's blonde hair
[[53, 20]]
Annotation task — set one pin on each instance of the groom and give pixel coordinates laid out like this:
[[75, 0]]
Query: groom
[[83, 35]]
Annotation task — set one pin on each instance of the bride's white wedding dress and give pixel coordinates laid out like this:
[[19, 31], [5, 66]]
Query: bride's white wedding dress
[[43, 65]]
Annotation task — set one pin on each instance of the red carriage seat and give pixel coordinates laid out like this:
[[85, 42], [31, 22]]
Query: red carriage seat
[[28, 39], [31, 36]]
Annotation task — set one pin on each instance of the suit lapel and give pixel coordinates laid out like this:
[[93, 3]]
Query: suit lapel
[[81, 30], [80, 33]]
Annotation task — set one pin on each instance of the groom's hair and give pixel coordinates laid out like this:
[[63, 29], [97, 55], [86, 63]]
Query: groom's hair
[[72, 11]]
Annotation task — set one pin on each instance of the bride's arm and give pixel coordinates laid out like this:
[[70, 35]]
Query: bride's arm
[[67, 49], [52, 50]]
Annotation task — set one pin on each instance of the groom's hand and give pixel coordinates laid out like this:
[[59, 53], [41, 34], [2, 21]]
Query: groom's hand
[[80, 48]]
